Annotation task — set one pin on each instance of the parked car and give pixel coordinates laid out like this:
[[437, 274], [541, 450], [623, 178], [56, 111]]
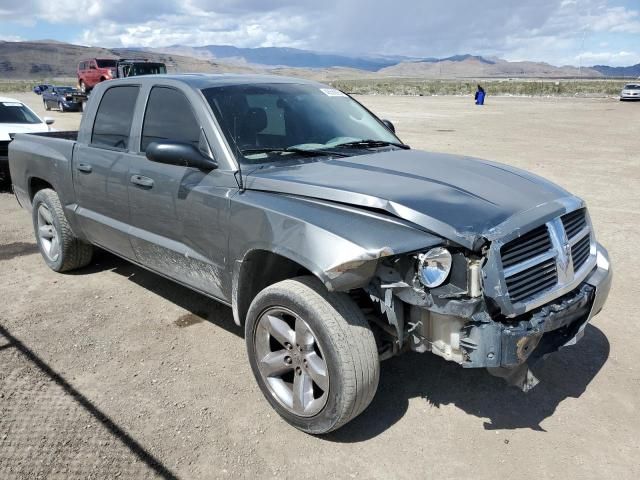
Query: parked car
[[16, 117], [61, 98], [38, 89], [631, 91], [95, 70], [92, 72], [334, 243]]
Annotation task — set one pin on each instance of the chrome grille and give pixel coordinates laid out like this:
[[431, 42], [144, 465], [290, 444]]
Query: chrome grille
[[580, 252], [576, 228], [529, 265], [550, 258], [532, 281], [574, 222], [526, 247]]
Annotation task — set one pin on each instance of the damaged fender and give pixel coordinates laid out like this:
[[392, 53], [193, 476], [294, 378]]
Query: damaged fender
[[339, 244]]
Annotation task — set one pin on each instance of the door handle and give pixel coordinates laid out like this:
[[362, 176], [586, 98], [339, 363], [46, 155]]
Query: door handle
[[84, 167], [142, 181]]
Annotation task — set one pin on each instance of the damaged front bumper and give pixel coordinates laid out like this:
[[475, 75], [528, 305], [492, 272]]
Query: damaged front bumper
[[507, 347]]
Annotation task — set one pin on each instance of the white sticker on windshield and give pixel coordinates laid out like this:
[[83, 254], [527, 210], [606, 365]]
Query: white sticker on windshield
[[332, 92], [11, 104]]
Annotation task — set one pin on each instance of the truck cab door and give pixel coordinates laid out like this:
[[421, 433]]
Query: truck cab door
[[100, 171], [179, 214]]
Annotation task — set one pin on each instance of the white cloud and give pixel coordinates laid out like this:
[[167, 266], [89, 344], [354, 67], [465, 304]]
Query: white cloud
[[609, 58], [552, 30]]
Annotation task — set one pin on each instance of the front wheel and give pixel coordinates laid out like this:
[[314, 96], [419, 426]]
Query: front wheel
[[60, 248], [46, 105], [312, 353], [60, 106]]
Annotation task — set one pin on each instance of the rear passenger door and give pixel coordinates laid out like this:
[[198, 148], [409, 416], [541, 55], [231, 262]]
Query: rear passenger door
[[179, 214], [101, 171]]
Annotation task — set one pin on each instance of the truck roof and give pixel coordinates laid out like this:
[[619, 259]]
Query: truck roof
[[206, 80]]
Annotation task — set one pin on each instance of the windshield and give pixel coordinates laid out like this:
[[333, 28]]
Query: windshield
[[64, 89], [106, 63], [269, 122], [15, 112], [632, 86]]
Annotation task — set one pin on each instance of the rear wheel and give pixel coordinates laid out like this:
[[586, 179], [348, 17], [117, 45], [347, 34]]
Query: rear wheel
[[60, 248], [312, 353]]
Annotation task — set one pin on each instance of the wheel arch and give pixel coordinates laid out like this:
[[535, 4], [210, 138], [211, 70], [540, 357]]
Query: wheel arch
[[36, 184], [260, 268]]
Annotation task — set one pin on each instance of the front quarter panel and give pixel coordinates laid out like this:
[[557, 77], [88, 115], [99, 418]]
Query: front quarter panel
[[341, 245]]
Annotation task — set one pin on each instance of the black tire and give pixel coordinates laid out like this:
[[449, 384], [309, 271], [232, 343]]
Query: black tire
[[61, 106], [82, 87], [46, 105], [73, 252], [5, 182], [347, 344]]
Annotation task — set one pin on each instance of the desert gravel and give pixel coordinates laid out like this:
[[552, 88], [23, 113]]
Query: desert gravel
[[113, 372]]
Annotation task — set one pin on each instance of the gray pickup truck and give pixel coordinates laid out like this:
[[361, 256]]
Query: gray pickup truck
[[334, 243]]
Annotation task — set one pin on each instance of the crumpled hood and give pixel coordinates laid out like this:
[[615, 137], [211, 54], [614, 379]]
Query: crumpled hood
[[7, 128], [460, 198]]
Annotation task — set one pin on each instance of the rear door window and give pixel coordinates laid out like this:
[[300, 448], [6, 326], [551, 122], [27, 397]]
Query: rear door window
[[112, 125], [169, 117]]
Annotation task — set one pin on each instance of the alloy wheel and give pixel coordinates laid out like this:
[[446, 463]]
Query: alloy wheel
[[47, 234], [291, 362]]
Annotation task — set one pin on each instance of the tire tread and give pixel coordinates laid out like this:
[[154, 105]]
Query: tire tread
[[352, 338], [75, 252]]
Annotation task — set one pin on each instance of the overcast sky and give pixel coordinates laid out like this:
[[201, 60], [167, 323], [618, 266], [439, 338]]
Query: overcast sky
[[560, 32]]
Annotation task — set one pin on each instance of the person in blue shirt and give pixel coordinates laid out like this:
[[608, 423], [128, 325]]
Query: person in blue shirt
[[480, 94]]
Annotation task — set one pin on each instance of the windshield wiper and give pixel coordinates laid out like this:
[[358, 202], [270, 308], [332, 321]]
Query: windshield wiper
[[303, 151], [372, 143]]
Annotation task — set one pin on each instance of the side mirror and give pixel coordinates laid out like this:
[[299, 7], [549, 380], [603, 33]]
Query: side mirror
[[179, 153], [49, 120], [389, 125]]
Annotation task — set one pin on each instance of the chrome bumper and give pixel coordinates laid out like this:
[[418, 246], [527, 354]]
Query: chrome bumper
[[600, 278]]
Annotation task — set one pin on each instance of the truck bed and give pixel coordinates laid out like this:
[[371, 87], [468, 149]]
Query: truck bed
[[45, 157], [66, 135]]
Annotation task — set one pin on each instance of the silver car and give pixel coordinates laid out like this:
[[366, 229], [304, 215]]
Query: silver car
[[631, 91]]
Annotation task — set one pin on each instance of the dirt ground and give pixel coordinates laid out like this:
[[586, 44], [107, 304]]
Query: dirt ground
[[115, 372]]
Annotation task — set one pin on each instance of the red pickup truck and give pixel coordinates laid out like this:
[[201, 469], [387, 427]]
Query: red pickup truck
[[96, 70]]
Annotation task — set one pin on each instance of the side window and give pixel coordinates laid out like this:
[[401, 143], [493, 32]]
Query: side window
[[113, 120], [169, 117]]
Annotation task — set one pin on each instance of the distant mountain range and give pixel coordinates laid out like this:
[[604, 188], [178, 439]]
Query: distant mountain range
[[296, 58], [455, 66], [49, 58], [632, 71], [285, 57]]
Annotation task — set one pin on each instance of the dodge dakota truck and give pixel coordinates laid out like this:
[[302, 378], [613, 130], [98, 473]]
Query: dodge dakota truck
[[335, 244]]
